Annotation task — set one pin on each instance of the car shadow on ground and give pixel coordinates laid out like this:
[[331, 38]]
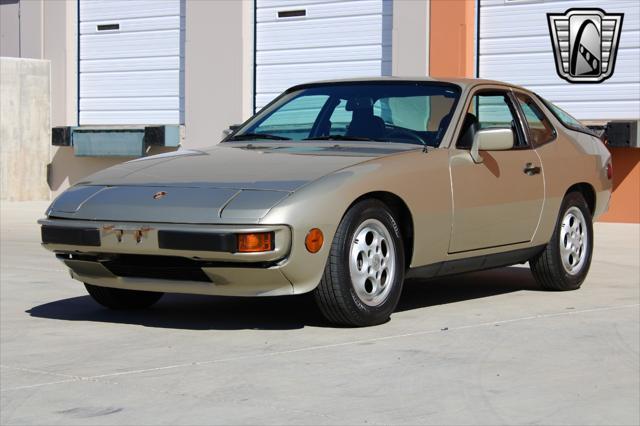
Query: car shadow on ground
[[282, 313]]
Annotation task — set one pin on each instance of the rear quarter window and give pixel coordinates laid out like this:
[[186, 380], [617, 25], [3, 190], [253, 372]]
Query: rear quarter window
[[540, 129], [566, 119]]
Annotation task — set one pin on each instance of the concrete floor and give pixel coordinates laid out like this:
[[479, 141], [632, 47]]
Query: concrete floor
[[483, 348]]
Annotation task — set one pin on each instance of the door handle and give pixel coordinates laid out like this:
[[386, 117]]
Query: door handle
[[531, 170]]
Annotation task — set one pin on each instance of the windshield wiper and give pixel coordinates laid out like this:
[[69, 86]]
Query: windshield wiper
[[342, 138], [247, 136]]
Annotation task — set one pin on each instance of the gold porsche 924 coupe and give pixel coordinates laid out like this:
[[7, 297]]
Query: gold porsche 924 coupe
[[344, 189]]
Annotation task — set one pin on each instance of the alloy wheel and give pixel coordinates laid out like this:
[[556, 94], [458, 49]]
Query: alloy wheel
[[573, 241], [372, 262]]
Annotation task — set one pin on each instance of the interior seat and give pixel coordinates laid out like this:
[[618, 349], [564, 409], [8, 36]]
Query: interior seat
[[363, 122], [470, 126]]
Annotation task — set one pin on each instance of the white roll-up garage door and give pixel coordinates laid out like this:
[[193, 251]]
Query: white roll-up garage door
[[298, 41], [515, 46], [131, 62]]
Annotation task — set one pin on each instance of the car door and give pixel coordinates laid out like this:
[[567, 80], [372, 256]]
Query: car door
[[497, 202]]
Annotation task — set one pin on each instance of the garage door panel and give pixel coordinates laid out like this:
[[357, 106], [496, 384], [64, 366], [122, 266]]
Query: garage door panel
[[145, 83], [135, 69], [299, 73], [131, 25], [129, 117], [351, 31], [330, 54], [324, 10], [592, 92], [515, 46], [296, 4], [130, 45], [307, 40], [523, 18], [611, 109], [96, 10], [130, 64], [541, 44], [535, 69], [138, 103]]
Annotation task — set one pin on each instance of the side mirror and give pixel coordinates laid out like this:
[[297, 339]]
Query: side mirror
[[491, 140], [231, 129]]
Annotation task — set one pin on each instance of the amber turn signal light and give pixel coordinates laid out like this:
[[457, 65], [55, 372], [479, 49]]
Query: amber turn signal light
[[255, 242], [313, 241]]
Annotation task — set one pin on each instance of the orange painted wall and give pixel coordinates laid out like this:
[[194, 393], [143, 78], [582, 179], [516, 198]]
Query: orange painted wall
[[451, 38], [625, 201]]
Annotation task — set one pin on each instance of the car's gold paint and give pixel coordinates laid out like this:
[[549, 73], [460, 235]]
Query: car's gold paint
[[458, 208], [483, 216], [226, 281]]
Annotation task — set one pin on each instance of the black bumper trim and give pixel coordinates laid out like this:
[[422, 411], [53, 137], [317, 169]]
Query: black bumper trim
[[70, 236], [197, 241]]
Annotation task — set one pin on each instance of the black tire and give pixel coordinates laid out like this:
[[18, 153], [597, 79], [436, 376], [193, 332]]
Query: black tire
[[120, 299], [548, 267], [336, 295]]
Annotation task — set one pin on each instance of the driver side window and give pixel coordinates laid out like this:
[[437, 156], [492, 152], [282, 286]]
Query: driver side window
[[486, 111]]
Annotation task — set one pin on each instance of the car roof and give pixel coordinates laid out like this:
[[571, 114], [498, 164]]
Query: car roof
[[462, 82]]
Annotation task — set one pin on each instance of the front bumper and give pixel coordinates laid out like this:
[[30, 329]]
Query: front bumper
[[176, 258]]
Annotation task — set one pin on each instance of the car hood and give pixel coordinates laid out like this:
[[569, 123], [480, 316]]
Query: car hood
[[227, 183], [279, 167]]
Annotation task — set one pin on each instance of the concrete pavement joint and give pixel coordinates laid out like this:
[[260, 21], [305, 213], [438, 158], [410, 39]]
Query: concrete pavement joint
[[72, 378], [38, 385], [31, 370], [22, 268]]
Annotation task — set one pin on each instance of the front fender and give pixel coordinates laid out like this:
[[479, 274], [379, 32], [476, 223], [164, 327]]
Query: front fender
[[420, 179]]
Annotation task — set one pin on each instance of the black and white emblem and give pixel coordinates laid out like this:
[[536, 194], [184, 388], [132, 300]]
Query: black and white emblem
[[585, 43]]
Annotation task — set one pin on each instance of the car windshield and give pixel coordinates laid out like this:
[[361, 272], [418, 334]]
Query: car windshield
[[401, 112]]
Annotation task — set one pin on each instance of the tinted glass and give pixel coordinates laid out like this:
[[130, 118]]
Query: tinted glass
[[540, 129], [566, 119], [295, 118], [486, 111], [493, 111], [340, 118], [414, 113]]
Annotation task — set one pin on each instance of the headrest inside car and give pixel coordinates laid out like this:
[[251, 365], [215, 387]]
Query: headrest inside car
[[359, 103]]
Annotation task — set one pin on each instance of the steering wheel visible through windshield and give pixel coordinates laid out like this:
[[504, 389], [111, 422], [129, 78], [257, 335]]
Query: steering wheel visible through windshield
[[400, 112]]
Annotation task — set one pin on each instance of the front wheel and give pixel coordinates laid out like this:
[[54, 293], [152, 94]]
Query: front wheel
[[564, 263], [363, 277], [121, 299]]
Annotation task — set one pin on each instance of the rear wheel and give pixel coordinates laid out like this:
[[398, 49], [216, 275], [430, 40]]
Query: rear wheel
[[363, 277], [120, 299], [564, 263]]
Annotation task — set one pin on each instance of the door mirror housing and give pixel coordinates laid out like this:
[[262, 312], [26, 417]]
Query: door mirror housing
[[230, 130], [500, 139]]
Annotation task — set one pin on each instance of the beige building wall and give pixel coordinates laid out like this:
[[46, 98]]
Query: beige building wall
[[410, 45], [25, 129], [9, 28], [218, 68]]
